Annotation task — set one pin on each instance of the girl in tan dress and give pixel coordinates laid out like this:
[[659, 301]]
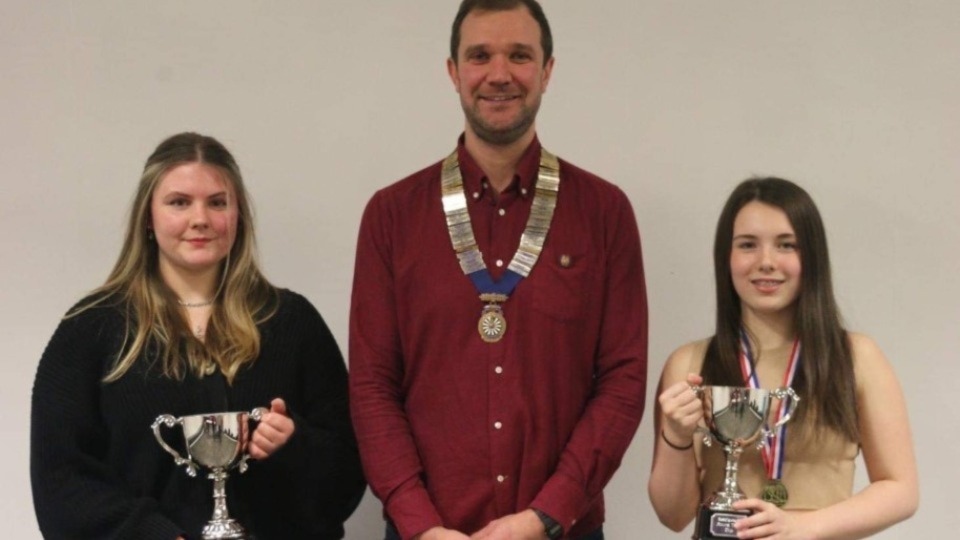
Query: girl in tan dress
[[777, 319]]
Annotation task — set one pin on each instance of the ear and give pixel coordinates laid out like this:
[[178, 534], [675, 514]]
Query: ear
[[547, 72], [454, 74]]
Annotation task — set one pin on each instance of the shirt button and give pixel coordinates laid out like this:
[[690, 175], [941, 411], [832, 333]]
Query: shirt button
[[501, 478], [497, 425], [502, 212], [523, 191], [476, 195], [498, 370], [499, 263]]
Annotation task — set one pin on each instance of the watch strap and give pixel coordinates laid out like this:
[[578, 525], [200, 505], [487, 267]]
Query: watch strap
[[550, 526]]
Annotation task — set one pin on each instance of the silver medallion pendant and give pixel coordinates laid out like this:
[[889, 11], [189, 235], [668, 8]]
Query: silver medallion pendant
[[492, 324]]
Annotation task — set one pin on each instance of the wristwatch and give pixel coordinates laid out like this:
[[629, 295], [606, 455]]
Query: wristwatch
[[550, 526]]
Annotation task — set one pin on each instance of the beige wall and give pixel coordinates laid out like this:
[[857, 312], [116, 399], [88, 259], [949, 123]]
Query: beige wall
[[324, 102]]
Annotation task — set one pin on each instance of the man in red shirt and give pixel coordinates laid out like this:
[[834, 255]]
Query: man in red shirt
[[498, 328]]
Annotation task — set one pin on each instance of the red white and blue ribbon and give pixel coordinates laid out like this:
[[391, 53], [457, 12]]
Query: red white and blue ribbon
[[774, 447]]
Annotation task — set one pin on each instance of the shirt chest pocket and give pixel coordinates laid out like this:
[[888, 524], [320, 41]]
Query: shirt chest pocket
[[564, 283]]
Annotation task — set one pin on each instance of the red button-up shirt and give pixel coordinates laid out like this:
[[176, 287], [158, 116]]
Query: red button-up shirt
[[457, 432]]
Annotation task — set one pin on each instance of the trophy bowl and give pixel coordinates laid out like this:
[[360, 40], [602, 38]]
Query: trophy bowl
[[218, 442], [736, 417]]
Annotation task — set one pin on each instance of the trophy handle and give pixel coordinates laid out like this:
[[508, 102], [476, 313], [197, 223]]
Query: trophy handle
[[256, 414], [705, 433], [170, 421], [700, 430], [781, 393]]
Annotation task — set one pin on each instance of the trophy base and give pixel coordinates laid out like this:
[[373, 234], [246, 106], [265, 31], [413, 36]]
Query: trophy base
[[224, 530], [717, 524]]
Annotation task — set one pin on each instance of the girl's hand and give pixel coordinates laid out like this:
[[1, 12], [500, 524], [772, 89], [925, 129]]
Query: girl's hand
[[682, 410], [273, 432], [769, 521]]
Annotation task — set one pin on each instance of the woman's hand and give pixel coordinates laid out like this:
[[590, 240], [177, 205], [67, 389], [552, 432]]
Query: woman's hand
[[682, 410], [769, 521], [273, 432]]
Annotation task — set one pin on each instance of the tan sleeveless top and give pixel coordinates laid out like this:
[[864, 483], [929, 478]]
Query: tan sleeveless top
[[817, 472], [818, 465]]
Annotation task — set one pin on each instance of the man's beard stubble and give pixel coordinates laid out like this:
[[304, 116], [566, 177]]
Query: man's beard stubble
[[504, 136]]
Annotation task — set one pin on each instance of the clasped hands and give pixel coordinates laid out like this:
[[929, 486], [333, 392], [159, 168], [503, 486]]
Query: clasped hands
[[523, 525]]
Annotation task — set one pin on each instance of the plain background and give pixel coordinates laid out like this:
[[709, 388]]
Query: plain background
[[325, 102]]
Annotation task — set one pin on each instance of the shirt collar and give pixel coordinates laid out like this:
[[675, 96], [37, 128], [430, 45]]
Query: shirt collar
[[524, 180]]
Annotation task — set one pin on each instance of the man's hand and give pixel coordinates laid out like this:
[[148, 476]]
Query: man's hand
[[520, 526], [273, 432], [439, 533]]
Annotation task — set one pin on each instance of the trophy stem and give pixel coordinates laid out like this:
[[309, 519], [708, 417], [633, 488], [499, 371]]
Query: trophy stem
[[220, 525], [730, 485], [220, 512], [716, 516], [730, 490]]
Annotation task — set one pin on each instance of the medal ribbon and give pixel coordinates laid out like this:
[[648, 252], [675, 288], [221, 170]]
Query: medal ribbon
[[534, 234], [775, 446]]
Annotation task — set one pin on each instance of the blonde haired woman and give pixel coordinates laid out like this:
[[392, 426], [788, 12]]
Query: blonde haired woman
[[187, 324]]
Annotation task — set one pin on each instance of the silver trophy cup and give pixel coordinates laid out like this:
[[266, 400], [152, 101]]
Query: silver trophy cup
[[736, 417], [218, 442]]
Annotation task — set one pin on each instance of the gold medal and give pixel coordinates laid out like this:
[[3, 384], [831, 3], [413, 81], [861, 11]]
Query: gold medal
[[775, 492], [492, 324]]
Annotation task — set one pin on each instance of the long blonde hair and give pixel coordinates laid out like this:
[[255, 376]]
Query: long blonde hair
[[156, 325]]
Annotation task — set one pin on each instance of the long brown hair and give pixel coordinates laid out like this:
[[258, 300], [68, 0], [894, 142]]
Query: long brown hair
[[155, 322], [825, 378]]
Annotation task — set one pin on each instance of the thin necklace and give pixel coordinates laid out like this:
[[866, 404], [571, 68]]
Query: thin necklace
[[202, 303]]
